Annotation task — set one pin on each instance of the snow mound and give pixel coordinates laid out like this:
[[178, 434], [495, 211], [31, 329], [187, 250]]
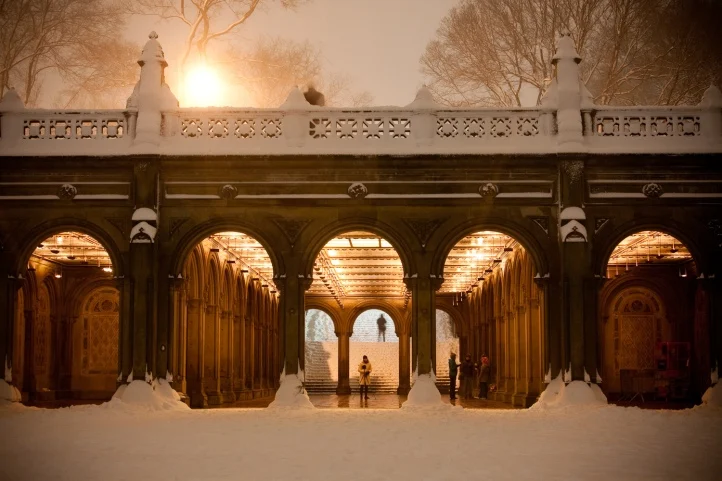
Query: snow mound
[[425, 395], [291, 394], [713, 396], [159, 396], [8, 392], [557, 395]]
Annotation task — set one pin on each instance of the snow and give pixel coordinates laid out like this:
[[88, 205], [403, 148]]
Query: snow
[[425, 395], [8, 392], [140, 395], [713, 396], [610, 442], [576, 394], [291, 394]]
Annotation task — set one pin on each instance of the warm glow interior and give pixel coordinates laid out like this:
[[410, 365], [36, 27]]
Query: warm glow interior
[[202, 87]]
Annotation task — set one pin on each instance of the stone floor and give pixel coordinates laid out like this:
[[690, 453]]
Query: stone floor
[[375, 401]]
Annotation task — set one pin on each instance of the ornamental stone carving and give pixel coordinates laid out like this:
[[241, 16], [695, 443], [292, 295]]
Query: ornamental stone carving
[[489, 190], [228, 192], [67, 191], [652, 190], [357, 191]]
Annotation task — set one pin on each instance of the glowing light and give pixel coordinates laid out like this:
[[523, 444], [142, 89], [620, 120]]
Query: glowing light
[[332, 252], [202, 87], [107, 269], [59, 239]]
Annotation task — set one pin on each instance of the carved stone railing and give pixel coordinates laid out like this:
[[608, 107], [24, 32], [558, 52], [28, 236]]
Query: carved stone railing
[[67, 132], [566, 122]]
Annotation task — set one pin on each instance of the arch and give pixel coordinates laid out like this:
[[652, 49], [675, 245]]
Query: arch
[[603, 253], [328, 232], [201, 231], [337, 325], [454, 314], [371, 304], [512, 229], [49, 228]]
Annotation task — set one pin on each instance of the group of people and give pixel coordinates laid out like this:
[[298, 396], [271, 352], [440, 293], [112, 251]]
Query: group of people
[[469, 372]]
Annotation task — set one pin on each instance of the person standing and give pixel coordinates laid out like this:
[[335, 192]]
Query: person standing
[[484, 374], [381, 323], [467, 378], [453, 372], [364, 377]]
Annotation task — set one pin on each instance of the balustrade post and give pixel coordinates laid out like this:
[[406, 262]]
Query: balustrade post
[[712, 123], [568, 95], [11, 123]]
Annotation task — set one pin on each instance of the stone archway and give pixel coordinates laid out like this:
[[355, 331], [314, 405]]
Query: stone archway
[[636, 320]]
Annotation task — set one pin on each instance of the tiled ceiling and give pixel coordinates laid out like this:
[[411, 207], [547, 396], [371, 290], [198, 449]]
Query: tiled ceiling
[[474, 258], [649, 247], [358, 264], [73, 249], [245, 253]]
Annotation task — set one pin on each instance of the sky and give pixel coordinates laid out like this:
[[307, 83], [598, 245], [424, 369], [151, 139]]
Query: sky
[[377, 43]]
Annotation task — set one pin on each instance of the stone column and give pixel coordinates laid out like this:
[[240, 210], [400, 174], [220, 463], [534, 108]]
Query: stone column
[[293, 284], [8, 290], [344, 386], [423, 289], [211, 368], [237, 355], [404, 363], [250, 338], [226, 361], [196, 354]]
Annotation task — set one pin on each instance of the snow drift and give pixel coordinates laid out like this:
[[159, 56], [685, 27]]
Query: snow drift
[[157, 396], [425, 395], [8, 392], [291, 393], [713, 396], [558, 395]]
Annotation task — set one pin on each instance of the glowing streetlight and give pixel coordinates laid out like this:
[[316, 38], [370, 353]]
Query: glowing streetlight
[[202, 87]]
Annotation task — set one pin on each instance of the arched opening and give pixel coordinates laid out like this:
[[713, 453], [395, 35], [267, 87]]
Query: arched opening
[[489, 282], [67, 323], [653, 322], [381, 345], [321, 353], [447, 342], [225, 322], [358, 279]]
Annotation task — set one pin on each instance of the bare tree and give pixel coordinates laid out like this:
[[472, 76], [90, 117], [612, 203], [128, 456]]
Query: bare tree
[[272, 67], [206, 20], [497, 52], [74, 42]]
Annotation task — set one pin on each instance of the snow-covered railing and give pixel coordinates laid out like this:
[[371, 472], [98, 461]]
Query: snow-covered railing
[[648, 122], [567, 121], [85, 125], [63, 132]]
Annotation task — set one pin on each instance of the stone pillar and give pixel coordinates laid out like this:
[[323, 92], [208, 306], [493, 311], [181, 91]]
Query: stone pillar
[[211, 347], [226, 361], [237, 355], [8, 290], [293, 285], [423, 311], [569, 95], [196, 354], [344, 386], [250, 326], [404, 363]]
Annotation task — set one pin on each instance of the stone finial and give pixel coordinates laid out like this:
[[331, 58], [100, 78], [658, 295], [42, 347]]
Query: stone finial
[[424, 100], [295, 100], [11, 101], [565, 48], [712, 97], [152, 51], [550, 97]]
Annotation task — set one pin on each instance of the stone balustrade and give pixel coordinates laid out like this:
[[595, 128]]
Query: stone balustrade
[[566, 121]]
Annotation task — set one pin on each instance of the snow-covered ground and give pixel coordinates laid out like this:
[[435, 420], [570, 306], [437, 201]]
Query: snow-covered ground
[[120, 441]]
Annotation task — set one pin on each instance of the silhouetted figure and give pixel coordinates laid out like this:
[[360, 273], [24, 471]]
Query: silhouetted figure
[[314, 97], [467, 378], [453, 372], [381, 323], [484, 375]]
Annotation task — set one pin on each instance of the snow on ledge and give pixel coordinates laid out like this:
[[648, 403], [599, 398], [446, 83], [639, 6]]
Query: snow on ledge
[[158, 396], [557, 395], [291, 394]]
